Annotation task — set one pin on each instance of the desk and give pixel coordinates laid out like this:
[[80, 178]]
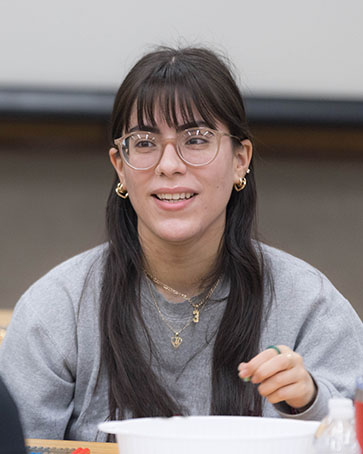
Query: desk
[[95, 448]]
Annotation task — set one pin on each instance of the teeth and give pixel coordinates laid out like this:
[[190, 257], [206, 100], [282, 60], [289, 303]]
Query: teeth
[[182, 196]]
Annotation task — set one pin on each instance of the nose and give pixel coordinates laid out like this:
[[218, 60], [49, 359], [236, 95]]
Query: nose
[[170, 162]]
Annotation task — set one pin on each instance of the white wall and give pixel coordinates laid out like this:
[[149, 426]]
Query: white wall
[[281, 47]]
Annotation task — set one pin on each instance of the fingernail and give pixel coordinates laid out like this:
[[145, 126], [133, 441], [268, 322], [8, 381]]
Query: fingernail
[[243, 372]]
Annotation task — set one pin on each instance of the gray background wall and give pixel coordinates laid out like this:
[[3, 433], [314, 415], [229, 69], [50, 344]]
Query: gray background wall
[[287, 47]]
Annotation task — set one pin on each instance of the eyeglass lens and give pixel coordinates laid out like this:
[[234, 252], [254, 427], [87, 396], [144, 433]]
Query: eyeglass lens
[[196, 146]]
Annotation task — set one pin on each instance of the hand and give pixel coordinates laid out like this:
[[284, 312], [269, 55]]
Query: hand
[[281, 377]]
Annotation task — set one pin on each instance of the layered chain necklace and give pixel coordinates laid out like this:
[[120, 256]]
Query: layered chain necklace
[[196, 307], [176, 339]]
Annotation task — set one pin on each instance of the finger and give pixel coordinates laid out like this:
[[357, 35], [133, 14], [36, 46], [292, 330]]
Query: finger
[[293, 395], [294, 386], [279, 363], [248, 369], [279, 380]]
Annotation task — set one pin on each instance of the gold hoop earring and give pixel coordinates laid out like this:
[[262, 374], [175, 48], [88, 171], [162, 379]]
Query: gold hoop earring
[[121, 192], [240, 185]]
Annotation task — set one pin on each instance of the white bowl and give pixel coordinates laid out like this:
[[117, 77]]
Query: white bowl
[[212, 435]]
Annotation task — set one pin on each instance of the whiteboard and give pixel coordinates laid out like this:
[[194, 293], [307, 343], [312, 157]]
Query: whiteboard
[[310, 48]]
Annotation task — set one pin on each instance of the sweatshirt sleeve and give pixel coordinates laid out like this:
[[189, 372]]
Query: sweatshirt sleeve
[[330, 340], [37, 359]]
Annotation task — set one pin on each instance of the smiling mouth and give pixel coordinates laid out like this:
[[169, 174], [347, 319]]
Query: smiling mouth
[[174, 197]]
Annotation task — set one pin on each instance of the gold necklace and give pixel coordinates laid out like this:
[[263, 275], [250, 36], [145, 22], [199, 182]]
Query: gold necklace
[[176, 339], [195, 306]]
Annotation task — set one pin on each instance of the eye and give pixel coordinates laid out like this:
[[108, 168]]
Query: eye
[[143, 144], [195, 141], [198, 137], [141, 141]]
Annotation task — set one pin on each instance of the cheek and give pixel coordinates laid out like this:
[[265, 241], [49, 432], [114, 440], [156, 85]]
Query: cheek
[[138, 184], [136, 198], [219, 190], [133, 188], [222, 182], [134, 181]]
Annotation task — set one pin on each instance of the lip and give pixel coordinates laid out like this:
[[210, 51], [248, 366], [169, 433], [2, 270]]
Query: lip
[[175, 205], [176, 190]]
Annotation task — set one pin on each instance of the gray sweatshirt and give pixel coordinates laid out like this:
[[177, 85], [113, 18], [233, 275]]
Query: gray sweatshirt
[[50, 358]]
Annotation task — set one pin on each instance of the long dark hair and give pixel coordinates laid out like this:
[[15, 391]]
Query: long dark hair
[[170, 81]]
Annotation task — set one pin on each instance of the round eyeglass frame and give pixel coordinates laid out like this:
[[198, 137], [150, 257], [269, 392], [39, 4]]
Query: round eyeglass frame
[[219, 134]]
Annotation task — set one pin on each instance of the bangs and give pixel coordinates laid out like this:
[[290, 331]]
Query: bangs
[[175, 97], [179, 88]]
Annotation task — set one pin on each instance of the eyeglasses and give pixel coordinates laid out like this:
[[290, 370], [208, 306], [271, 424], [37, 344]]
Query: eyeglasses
[[142, 150]]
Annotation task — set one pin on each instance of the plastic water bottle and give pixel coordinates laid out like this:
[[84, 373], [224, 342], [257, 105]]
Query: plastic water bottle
[[336, 433], [359, 411]]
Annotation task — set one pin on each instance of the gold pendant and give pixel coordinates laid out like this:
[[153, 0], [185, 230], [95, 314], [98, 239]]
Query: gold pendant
[[176, 340], [196, 316]]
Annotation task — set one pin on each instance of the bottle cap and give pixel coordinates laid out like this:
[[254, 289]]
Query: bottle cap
[[359, 382], [341, 408]]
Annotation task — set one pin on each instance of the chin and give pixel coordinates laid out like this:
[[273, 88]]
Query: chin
[[174, 238], [175, 234], [172, 231]]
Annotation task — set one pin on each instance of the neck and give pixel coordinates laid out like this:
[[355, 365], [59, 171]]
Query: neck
[[182, 267]]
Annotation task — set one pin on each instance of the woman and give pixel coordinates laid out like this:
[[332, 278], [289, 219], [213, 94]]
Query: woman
[[181, 312]]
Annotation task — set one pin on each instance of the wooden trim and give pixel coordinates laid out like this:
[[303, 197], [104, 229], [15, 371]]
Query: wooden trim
[[82, 135], [5, 317], [309, 140]]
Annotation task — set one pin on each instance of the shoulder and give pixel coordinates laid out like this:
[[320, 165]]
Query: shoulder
[[59, 292], [296, 282], [72, 273], [76, 268], [302, 293], [301, 301], [284, 266]]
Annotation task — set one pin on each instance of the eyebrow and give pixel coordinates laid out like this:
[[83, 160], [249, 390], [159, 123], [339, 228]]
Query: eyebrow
[[148, 128]]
